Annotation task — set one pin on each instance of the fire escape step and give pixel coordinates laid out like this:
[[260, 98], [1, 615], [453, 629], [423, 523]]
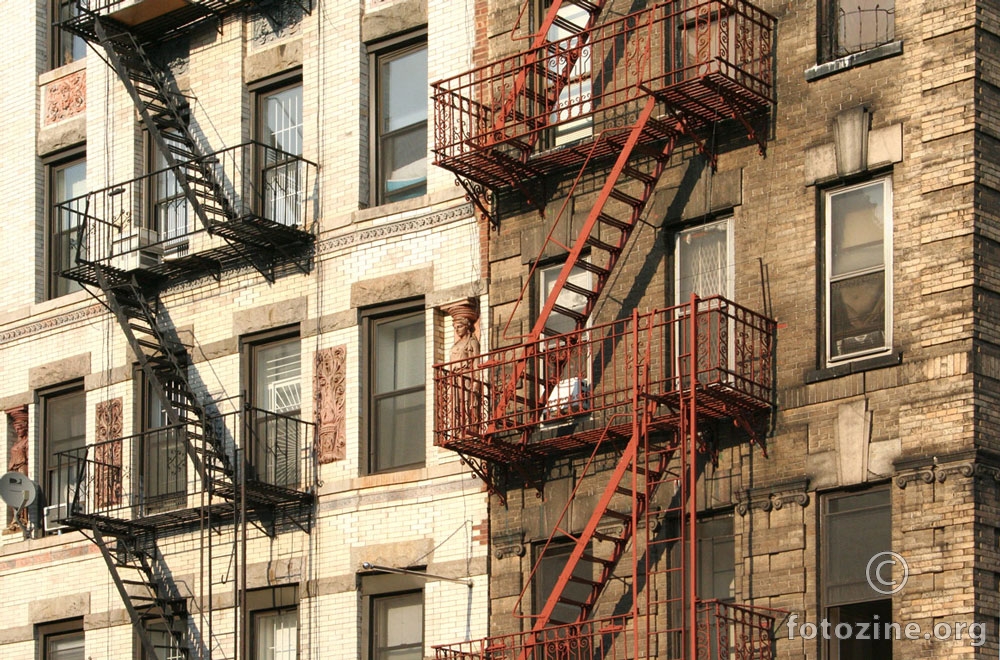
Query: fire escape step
[[579, 290], [624, 517], [593, 241], [613, 221], [596, 560], [593, 268], [625, 198], [638, 175]]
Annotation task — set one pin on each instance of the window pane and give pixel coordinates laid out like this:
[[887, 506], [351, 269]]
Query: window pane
[[857, 314], [399, 430], [276, 635], [404, 90], [69, 47], [569, 299], [404, 156], [65, 647], [278, 371], [283, 120], [864, 24], [68, 182], [549, 568], [398, 627], [703, 261], [856, 528], [857, 229], [400, 354], [402, 124]]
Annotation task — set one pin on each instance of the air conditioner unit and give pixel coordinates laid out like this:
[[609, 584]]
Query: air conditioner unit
[[53, 514]]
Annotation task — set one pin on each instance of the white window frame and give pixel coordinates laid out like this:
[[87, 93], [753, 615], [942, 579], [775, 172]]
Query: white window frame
[[886, 267], [566, 393]]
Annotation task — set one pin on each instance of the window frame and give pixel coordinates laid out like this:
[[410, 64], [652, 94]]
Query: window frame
[[56, 163], [250, 348], [177, 243], [828, 280], [46, 632], [293, 167], [45, 399], [59, 37], [374, 652], [828, 46], [371, 320], [558, 553], [578, 128], [143, 460], [268, 602], [831, 608], [709, 544], [379, 52]]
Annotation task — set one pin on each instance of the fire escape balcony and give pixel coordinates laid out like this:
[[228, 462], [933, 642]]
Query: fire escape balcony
[[153, 20], [148, 225], [724, 631], [705, 61], [559, 394], [156, 481]]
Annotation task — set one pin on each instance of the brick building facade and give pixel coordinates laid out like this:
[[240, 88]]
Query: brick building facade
[[668, 475], [290, 322]]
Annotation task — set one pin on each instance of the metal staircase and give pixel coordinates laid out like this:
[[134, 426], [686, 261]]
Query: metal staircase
[[146, 598], [163, 360], [665, 74], [166, 115], [225, 192]]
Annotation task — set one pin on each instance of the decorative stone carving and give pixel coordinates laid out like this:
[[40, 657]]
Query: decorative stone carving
[[508, 544], [773, 497], [108, 455], [277, 21], [464, 315], [329, 393], [66, 97], [18, 461]]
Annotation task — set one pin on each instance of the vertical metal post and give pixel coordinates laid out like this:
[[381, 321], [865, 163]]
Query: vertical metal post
[[635, 489], [689, 414]]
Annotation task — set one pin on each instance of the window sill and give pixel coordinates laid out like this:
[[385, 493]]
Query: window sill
[[61, 71], [857, 366], [882, 52]]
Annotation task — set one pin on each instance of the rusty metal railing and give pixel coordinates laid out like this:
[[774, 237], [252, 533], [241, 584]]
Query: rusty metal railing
[[562, 378], [501, 106]]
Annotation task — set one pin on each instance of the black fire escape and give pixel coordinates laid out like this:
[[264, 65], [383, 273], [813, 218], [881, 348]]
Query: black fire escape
[[249, 203]]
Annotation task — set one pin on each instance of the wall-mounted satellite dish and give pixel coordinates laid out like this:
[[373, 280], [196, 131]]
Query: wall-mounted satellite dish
[[17, 490]]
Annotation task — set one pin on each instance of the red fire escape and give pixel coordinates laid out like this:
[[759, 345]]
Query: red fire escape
[[627, 92]]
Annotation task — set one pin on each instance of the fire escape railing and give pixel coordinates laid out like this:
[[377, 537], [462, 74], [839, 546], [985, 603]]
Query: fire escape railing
[[734, 357], [725, 631], [146, 478], [712, 48], [141, 222]]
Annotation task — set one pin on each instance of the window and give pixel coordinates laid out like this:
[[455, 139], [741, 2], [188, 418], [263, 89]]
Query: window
[[169, 216], [853, 26], [276, 399], [703, 266], [279, 111], [716, 559], [550, 566], [62, 641], [166, 644], [66, 47], [397, 626], [858, 239], [574, 106], [274, 623], [162, 455], [565, 373], [399, 153], [395, 385], [67, 180], [856, 527], [65, 426]]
